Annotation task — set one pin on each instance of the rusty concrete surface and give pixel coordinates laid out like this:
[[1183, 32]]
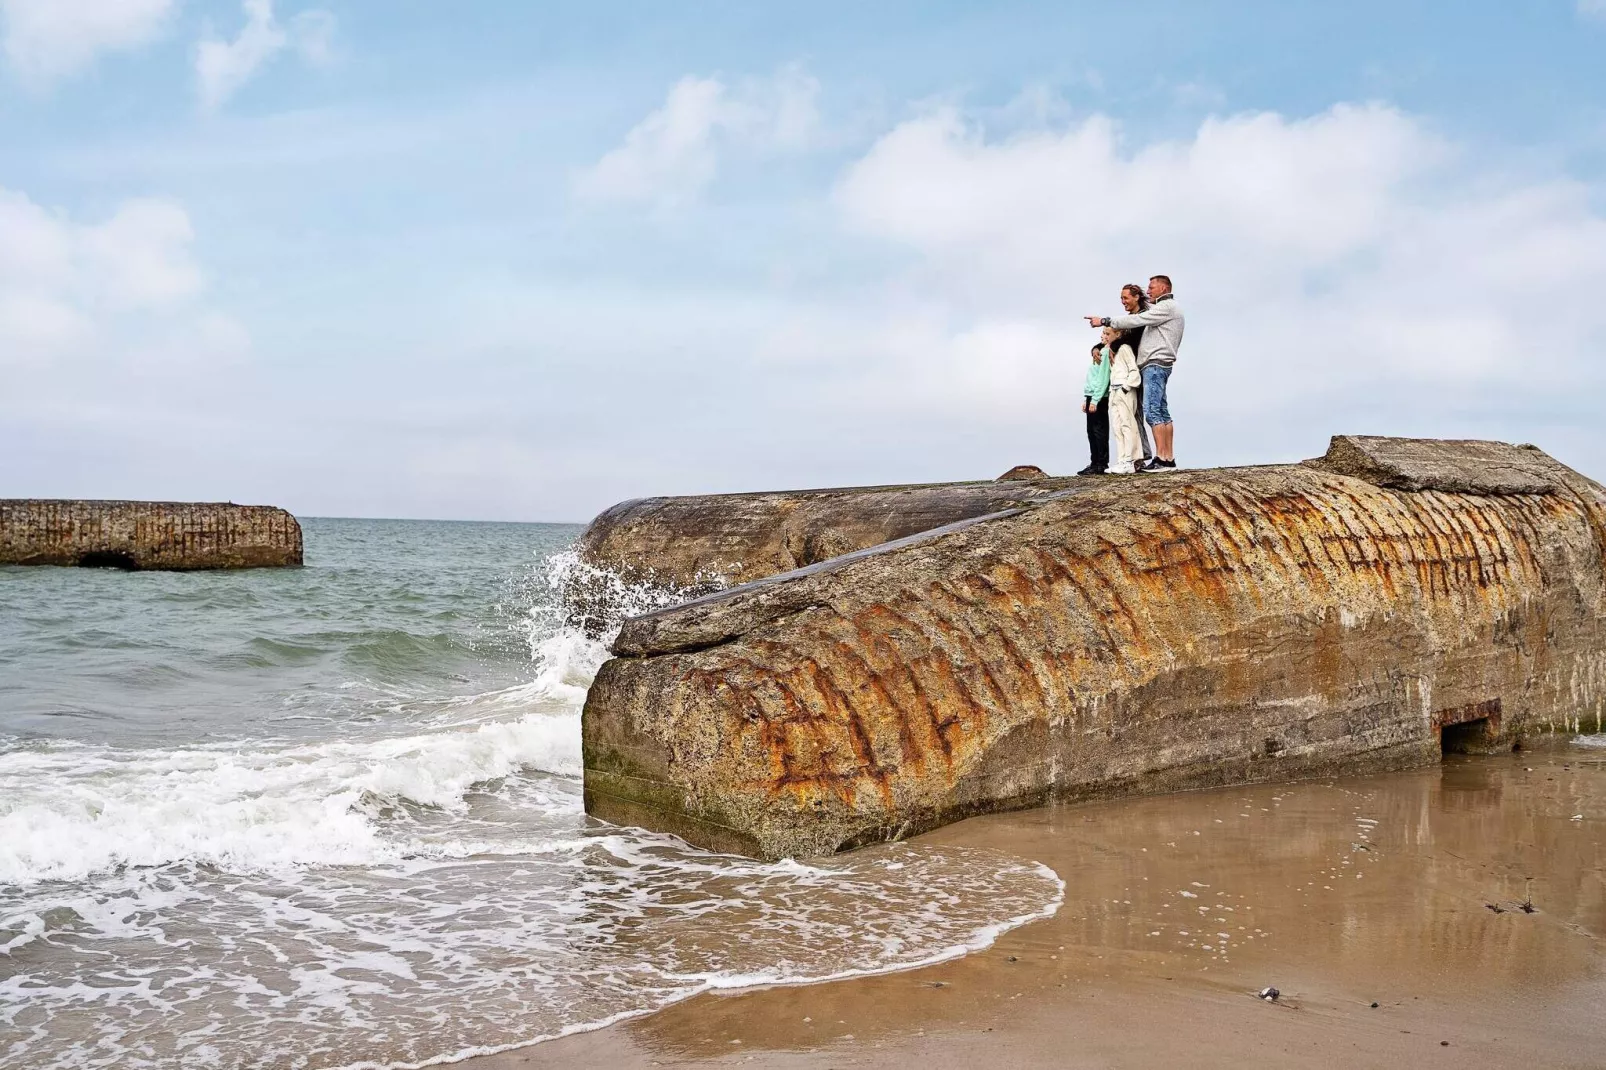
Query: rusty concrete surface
[[1142, 634], [697, 544], [175, 536]]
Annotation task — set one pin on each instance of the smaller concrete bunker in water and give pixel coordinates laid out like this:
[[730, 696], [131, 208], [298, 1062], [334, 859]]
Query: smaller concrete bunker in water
[[1366, 610], [169, 536]]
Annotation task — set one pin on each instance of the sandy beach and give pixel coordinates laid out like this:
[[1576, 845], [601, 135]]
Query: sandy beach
[[1451, 916]]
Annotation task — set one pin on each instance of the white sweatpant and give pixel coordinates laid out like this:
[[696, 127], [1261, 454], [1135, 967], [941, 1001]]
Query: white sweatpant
[[1124, 422]]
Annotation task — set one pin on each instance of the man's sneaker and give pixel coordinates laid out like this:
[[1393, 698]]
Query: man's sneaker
[[1157, 465], [1091, 470]]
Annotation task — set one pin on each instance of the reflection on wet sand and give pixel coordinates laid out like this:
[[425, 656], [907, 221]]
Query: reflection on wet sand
[[1388, 909], [1390, 875]]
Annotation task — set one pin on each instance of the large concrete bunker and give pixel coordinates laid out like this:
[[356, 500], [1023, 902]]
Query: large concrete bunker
[[1367, 610]]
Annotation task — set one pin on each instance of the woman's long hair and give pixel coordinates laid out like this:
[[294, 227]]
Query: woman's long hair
[[1133, 336]]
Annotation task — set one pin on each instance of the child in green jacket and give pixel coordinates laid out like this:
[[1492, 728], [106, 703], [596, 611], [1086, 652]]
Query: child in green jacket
[[1095, 402]]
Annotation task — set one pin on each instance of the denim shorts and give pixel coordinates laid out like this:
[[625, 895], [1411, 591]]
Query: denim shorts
[[1155, 410]]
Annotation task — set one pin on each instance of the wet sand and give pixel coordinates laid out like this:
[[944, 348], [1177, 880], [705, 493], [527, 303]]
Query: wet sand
[[1389, 911]]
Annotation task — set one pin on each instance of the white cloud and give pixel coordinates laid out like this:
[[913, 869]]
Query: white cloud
[[34, 247], [140, 257], [785, 110], [47, 40], [1592, 9], [222, 67], [313, 33], [674, 152], [669, 154], [1350, 263], [75, 292]]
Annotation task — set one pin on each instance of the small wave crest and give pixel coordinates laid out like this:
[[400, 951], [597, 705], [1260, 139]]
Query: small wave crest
[[594, 600], [577, 613], [69, 811], [566, 663]]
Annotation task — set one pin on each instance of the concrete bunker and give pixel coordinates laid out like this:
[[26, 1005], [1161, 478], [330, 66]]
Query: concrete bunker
[[1375, 608], [135, 536]]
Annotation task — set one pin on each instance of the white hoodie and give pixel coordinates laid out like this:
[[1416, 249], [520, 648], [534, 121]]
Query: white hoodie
[[1124, 368]]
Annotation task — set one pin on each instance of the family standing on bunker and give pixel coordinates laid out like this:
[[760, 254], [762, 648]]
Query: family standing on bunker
[[1128, 376]]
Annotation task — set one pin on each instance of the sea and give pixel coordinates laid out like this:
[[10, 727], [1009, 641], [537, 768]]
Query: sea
[[331, 817]]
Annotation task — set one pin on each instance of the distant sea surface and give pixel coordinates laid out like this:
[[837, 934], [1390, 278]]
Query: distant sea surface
[[331, 817]]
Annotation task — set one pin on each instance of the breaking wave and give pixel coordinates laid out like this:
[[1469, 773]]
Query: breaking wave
[[72, 811]]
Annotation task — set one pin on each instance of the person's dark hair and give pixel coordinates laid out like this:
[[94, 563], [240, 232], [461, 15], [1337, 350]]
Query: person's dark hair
[[1137, 291], [1130, 337], [1163, 278]]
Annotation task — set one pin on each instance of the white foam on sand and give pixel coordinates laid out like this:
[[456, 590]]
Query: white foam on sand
[[429, 961]]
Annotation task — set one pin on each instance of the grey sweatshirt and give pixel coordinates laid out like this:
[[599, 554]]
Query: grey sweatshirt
[[1162, 331]]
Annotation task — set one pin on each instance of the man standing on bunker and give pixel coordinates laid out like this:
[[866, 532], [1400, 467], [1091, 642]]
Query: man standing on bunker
[[1157, 354]]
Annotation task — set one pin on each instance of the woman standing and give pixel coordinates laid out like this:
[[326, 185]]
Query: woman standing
[[1135, 300]]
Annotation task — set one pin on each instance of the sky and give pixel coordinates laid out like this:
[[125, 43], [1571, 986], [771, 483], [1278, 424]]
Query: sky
[[508, 261]]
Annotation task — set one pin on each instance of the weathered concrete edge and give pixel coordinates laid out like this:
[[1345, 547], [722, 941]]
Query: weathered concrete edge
[[1356, 456], [684, 546], [710, 620], [1051, 482], [620, 798]]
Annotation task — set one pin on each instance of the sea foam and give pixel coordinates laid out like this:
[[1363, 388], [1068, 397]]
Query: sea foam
[[69, 811]]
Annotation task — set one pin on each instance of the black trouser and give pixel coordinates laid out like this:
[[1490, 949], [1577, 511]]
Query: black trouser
[[1145, 433], [1098, 433]]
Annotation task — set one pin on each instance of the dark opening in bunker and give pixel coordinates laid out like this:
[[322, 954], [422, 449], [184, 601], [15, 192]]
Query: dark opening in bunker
[[108, 559], [1468, 737]]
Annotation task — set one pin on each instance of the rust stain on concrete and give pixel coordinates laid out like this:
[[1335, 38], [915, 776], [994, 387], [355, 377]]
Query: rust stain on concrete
[[1179, 631]]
